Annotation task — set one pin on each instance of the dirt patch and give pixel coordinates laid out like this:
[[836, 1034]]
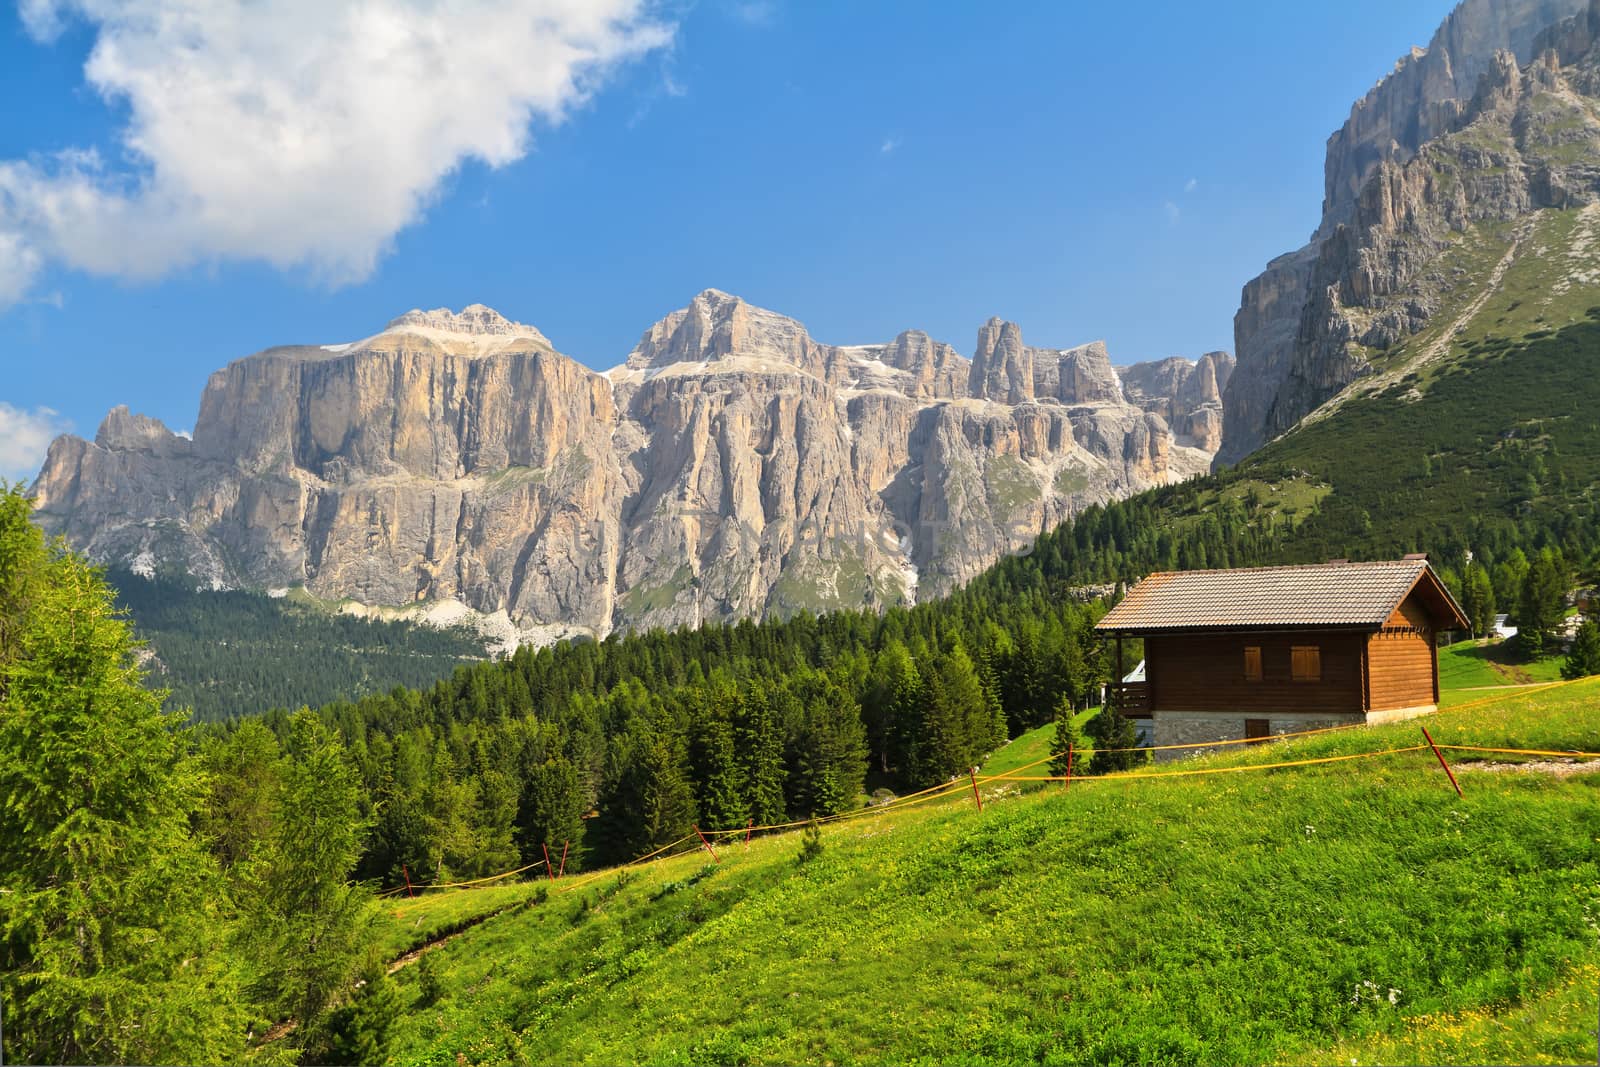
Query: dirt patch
[[439, 942], [1559, 768]]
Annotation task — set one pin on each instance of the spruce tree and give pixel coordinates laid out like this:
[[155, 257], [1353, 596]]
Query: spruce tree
[[828, 750], [1540, 606], [1583, 658], [718, 782], [550, 814], [307, 924], [1114, 737], [666, 801], [1068, 733], [358, 1032], [1478, 599], [244, 773], [759, 733]]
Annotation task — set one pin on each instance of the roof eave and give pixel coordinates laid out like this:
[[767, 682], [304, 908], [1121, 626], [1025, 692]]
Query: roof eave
[[1240, 627]]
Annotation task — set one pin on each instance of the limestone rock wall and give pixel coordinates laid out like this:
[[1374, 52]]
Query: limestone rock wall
[[731, 467], [1399, 174]]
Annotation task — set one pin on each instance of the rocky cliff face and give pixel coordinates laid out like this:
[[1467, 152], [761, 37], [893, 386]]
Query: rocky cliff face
[[732, 466], [1439, 143], [1187, 396]]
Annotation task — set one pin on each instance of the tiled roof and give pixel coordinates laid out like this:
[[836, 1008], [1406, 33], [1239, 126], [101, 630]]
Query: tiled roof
[[1326, 594]]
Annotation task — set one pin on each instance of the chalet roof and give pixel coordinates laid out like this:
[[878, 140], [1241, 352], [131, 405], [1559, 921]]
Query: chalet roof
[[1325, 595]]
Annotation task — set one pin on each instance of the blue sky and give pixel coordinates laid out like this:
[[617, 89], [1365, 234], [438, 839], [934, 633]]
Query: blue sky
[[1111, 172]]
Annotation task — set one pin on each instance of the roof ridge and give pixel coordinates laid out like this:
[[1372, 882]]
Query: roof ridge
[[1299, 566]]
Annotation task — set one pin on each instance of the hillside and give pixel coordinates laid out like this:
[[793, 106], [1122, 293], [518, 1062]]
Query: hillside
[[1481, 432], [1274, 916], [229, 653]]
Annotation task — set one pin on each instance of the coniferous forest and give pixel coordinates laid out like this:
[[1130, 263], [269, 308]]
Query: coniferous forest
[[249, 848]]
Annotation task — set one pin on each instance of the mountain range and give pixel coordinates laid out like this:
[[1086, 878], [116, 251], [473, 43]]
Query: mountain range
[[732, 466], [456, 465]]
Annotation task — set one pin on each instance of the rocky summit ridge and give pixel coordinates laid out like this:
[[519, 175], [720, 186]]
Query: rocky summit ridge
[[731, 466], [1461, 145]]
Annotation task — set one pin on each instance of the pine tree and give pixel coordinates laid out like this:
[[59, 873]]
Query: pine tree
[[666, 802], [1068, 733], [358, 1032], [1477, 591], [307, 925], [112, 910], [1114, 737], [759, 732], [244, 772], [1540, 606], [719, 785], [1583, 658]]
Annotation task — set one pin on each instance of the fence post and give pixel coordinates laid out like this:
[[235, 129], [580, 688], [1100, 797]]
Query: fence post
[[1069, 764], [748, 826], [706, 843], [549, 868], [974, 773], [407, 873], [1442, 763], [563, 870]]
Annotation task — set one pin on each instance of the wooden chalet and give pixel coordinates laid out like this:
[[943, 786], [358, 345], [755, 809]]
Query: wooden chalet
[[1253, 652]]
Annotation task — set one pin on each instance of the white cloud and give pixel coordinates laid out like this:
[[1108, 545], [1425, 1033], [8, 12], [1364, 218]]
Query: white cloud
[[1173, 214], [25, 436], [889, 145], [301, 133], [1191, 185]]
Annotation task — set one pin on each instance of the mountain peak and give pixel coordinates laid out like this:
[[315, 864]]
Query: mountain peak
[[474, 320], [717, 326]]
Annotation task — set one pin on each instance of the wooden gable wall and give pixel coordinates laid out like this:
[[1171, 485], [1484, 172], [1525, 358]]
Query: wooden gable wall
[[1401, 659]]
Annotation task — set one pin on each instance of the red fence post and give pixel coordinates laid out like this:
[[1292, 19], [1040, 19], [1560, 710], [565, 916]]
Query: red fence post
[[407, 873], [563, 870], [706, 843], [747, 828], [975, 796], [549, 868], [1442, 763]]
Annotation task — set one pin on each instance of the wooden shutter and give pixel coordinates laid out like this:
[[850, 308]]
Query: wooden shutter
[[1257, 729], [1252, 663], [1305, 663]]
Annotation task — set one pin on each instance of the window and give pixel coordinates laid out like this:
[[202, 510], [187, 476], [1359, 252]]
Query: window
[[1252, 663], [1305, 663]]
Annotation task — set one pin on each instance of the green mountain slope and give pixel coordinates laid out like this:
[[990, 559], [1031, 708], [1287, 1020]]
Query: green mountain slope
[[226, 654], [1233, 918], [1482, 432]]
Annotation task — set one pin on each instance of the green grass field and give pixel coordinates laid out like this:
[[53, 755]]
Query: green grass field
[[1237, 917], [1473, 664], [1035, 745]]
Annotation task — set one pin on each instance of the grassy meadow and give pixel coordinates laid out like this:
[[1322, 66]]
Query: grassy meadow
[[1479, 664], [1350, 910]]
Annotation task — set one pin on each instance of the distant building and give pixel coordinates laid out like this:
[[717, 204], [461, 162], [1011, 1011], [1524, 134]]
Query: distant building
[[1502, 628], [1253, 652]]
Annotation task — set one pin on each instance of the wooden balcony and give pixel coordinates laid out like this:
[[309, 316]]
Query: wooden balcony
[[1131, 698]]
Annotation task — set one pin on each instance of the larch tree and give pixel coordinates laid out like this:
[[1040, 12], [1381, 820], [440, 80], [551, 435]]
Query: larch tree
[[113, 914]]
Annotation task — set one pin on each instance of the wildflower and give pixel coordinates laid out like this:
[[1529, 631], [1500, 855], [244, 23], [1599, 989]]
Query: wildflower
[[1394, 996]]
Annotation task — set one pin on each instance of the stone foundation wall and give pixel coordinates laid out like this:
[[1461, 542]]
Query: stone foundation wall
[[1198, 727], [1401, 714]]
